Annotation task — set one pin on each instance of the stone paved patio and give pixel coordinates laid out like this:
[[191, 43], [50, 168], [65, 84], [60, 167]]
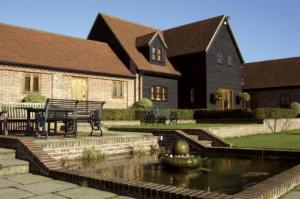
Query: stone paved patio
[[39, 187]]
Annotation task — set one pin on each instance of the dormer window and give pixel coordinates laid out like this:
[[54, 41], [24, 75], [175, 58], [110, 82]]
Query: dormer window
[[153, 47], [156, 54]]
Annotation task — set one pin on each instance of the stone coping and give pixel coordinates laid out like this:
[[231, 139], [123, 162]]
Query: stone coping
[[27, 149]]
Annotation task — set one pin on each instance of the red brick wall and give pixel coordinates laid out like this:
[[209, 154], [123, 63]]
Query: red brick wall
[[59, 85]]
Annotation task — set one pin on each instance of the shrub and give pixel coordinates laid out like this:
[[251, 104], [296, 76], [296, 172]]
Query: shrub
[[138, 114], [92, 154], [143, 103], [34, 98], [296, 106], [268, 113], [203, 114], [119, 114], [244, 96], [220, 94]]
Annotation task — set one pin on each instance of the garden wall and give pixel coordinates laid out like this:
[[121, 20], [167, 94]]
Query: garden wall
[[73, 148], [251, 129]]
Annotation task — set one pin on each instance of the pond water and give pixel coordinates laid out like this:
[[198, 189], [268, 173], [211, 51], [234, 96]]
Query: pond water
[[224, 175]]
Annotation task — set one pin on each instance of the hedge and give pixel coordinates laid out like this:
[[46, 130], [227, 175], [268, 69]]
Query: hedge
[[203, 114], [265, 113]]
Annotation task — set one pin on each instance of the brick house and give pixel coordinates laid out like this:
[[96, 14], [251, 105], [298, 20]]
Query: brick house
[[273, 83], [59, 66]]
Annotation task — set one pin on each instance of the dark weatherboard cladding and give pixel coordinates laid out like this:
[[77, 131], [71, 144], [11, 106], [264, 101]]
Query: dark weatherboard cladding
[[168, 83], [223, 75]]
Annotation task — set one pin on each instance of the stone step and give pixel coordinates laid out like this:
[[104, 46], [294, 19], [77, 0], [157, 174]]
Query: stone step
[[13, 166], [206, 143], [196, 137], [7, 154]]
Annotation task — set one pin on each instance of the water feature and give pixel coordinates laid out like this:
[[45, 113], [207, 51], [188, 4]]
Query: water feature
[[180, 157], [224, 175]]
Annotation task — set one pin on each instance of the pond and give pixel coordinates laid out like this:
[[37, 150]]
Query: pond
[[223, 175]]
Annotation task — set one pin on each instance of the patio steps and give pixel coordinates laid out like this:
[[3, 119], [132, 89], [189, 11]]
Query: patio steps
[[206, 143], [10, 165]]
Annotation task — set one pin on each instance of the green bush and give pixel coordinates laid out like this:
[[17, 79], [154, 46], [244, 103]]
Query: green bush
[[34, 98], [267, 113], [220, 94], [118, 114], [184, 114], [202, 114], [296, 106], [138, 114], [143, 103], [92, 154]]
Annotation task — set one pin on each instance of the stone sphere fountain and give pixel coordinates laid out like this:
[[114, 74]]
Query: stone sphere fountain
[[180, 157]]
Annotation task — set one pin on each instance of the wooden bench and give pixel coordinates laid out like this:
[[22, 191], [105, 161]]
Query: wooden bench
[[90, 112], [155, 117], [3, 122], [70, 112], [57, 110]]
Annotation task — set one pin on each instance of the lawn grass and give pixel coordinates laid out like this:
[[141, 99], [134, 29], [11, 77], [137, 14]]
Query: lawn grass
[[286, 140], [174, 126]]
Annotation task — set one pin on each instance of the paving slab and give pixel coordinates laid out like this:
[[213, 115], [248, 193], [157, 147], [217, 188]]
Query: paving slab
[[86, 193], [7, 183], [14, 193], [48, 187], [291, 195], [47, 196], [27, 178]]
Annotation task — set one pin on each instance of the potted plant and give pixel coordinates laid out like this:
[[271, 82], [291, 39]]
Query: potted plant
[[244, 98], [219, 96]]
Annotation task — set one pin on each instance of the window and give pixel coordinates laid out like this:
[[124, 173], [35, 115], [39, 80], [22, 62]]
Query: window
[[192, 94], [229, 60], [156, 54], [32, 83], [153, 53], [220, 58], [118, 89], [158, 93]]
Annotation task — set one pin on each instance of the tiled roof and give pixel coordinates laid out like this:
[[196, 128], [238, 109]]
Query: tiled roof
[[59, 52], [144, 39], [272, 73], [127, 33], [191, 38]]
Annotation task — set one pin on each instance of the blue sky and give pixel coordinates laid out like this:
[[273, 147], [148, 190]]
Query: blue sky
[[264, 29]]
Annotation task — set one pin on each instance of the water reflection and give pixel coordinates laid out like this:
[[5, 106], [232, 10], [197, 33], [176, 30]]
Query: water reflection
[[225, 175]]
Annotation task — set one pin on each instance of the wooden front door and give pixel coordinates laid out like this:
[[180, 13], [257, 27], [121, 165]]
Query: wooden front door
[[79, 88], [228, 99], [227, 102]]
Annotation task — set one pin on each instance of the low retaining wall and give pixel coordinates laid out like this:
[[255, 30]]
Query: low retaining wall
[[73, 148], [110, 123], [251, 129]]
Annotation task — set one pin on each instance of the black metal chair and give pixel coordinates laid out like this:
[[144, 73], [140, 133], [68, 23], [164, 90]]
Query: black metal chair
[[3, 122]]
